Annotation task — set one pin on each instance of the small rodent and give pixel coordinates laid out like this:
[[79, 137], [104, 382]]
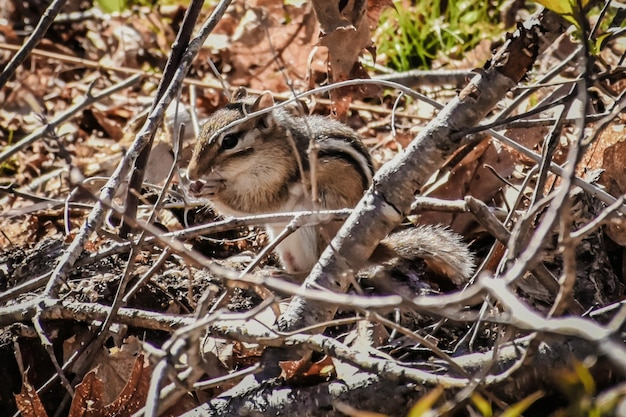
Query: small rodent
[[261, 165]]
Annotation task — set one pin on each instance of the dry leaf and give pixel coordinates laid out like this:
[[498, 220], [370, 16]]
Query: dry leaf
[[246, 354], [475, 175], [292, 368], [159, 164], [28, 401], [218, 354], [267, 43], [374, 10], [324, 368], [135, 392], [113, 126], [89, 398], [614, 176], [346, 33], [602, 150]]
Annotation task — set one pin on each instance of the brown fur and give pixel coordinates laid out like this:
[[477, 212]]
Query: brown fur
[[268, 170], [262, 174]]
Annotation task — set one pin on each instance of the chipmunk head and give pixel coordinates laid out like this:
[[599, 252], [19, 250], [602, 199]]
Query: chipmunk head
[[242, 163], [224, 140]]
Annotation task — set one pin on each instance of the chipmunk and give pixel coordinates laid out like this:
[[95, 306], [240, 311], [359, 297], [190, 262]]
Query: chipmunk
[[262, 165]]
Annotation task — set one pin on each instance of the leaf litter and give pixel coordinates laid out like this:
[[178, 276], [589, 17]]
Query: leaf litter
[[263, 45]]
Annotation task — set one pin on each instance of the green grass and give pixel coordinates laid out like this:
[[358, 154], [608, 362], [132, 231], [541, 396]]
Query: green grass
[[111, 6], [411, 36]]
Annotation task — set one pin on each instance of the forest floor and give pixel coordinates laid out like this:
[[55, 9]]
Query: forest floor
[[75, 106]]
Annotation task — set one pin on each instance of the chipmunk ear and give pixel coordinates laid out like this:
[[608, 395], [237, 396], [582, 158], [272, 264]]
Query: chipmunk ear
[[239, 94], [263, 102], [297, 109]]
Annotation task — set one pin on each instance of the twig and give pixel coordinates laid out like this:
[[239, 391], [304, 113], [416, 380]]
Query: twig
[[95, 218], [576, 151], [591, 189], [234, 376], [96, 65], [55, 309], [544, 79], [293, 225], [120, 294], [528, 257], [384, 205], [145, 277], [417, 78], [156, 208], [28, 286], [509, 120], [171, 67], [42, 27], [596, 223], [523, 318], [182, 347], [43, 203], [49, 127], [436, 204], [224, 225], [91, 13], [549, 147], [50, 351], [216, 227]]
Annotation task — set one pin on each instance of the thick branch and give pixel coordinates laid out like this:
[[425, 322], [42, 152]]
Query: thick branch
[[391, 194], [375, 393]]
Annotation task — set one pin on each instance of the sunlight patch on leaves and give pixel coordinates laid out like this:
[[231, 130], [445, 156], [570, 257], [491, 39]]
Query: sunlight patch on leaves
[[111, 6]]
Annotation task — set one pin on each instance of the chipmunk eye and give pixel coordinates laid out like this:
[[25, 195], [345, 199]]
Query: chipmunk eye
[[229, 141]]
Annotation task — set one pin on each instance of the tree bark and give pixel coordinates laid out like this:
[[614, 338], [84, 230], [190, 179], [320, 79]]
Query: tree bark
[[384, 205]]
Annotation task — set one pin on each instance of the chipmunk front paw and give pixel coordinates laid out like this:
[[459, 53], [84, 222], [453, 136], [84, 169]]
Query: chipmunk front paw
[[207, 187]]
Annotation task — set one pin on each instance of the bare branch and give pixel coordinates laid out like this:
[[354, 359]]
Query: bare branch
[[42, 27], [380, 210]]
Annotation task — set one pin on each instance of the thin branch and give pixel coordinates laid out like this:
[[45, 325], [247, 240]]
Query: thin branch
[[386, 202], [51, 126], [173, 64], [42, 27], [96, 217]]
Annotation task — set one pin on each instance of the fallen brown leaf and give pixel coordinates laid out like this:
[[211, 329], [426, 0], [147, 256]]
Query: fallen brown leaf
[[28, 401], [89, 398]]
